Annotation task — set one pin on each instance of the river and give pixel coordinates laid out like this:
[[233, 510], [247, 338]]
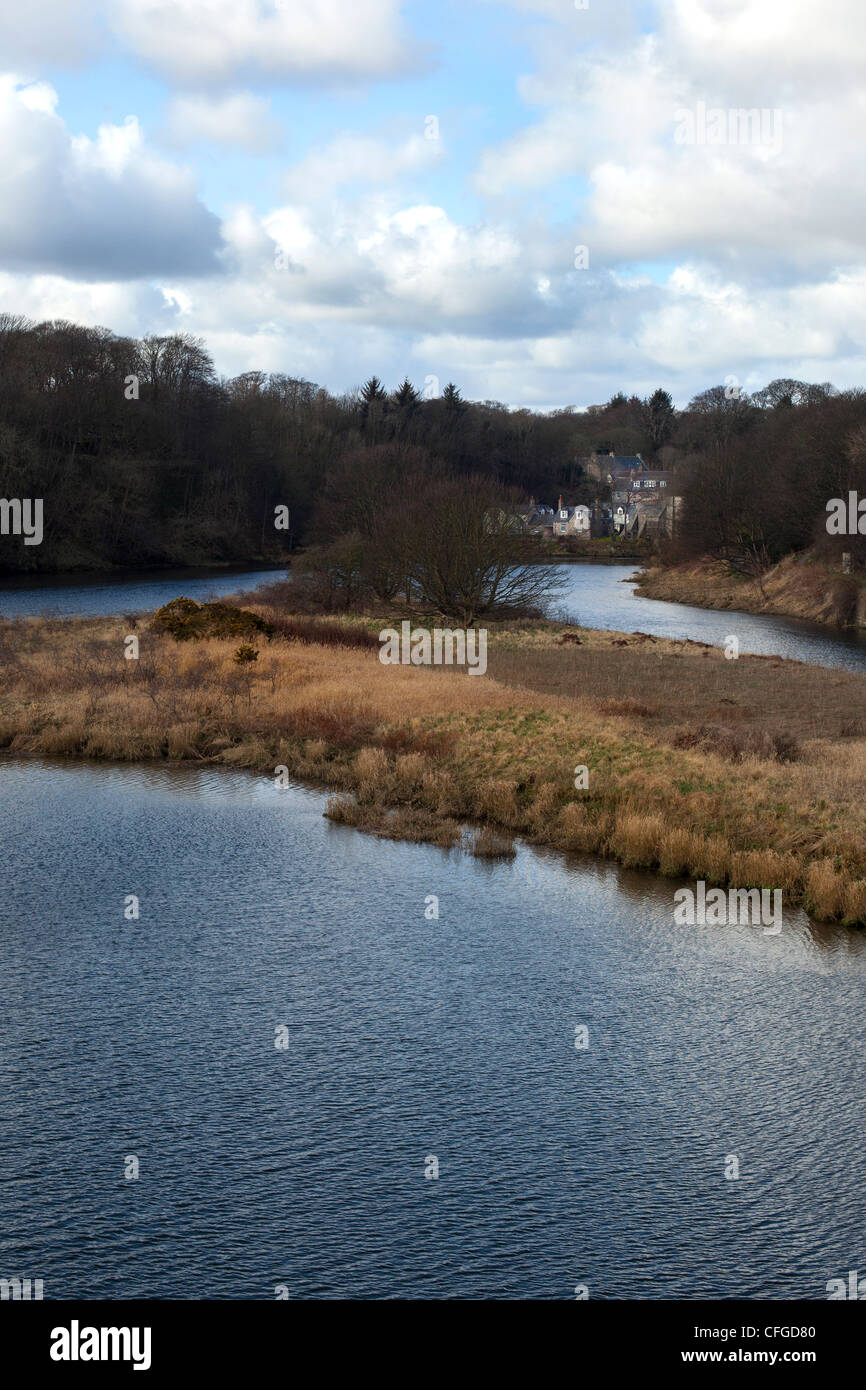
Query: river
[[593, 594], [130, 591], [302, 1168]]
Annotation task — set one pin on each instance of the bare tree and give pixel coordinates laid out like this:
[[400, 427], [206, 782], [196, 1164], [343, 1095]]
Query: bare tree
[[466, 555]]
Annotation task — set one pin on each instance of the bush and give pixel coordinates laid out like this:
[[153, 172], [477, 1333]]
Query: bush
[[185, 621], [735, 745]]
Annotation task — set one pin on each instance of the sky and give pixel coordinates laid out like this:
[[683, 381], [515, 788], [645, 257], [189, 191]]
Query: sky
[[545, 201]]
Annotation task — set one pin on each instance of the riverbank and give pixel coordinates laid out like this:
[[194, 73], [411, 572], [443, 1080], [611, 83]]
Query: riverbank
[[748, 772], [608, 549], [797, 587]]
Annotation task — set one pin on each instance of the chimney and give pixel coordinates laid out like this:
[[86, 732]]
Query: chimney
[[559, 503]]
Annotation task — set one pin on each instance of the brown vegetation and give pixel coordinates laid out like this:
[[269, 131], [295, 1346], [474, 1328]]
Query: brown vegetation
[[188, 621], [797, 587], [750, 772]]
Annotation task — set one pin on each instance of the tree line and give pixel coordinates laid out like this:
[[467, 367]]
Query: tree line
[[145, 456]]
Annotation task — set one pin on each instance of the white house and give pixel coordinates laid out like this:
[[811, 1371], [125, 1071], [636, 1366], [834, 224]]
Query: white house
[[571, 521]]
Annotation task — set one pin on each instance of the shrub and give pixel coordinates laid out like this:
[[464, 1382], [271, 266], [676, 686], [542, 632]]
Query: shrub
[[737, 744], [185, 620], [344, 810]]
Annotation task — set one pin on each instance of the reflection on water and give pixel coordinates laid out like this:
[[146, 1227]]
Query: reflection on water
[[407, 1037]]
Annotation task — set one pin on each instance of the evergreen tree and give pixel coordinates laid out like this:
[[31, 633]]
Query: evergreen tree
[[660, 416]]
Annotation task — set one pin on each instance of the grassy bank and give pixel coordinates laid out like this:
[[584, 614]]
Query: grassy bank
[[598, 548], [749, 772], [797, 587]]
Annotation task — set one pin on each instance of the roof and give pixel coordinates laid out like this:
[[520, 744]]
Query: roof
[[622, 463], [532, 512]]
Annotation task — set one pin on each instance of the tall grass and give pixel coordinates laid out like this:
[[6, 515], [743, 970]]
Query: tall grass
[[418, 752]]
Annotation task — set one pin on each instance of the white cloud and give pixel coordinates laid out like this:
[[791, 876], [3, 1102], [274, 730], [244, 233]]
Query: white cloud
[[352, 309], [107, 208], [351, 158], [705, 260], [777, 46], [240, 119], [219, 42], [36, 32], [783, 206], [124, 307]]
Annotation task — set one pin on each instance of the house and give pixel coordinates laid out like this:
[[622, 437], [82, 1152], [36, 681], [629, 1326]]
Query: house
[[643, 482], [602, 519], [603, 467], [534, 519], [654, 516], [571, 521]]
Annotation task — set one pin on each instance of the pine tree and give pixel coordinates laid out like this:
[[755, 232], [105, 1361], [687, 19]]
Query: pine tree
[[405, 397], [659, 418]]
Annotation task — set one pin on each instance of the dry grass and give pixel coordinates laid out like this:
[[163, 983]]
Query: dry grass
[[490, 844], [797, 587], [682, 689], [697, 785]]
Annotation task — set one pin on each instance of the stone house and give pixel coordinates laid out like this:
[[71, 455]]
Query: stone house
[[571, 521], [647, 482]]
